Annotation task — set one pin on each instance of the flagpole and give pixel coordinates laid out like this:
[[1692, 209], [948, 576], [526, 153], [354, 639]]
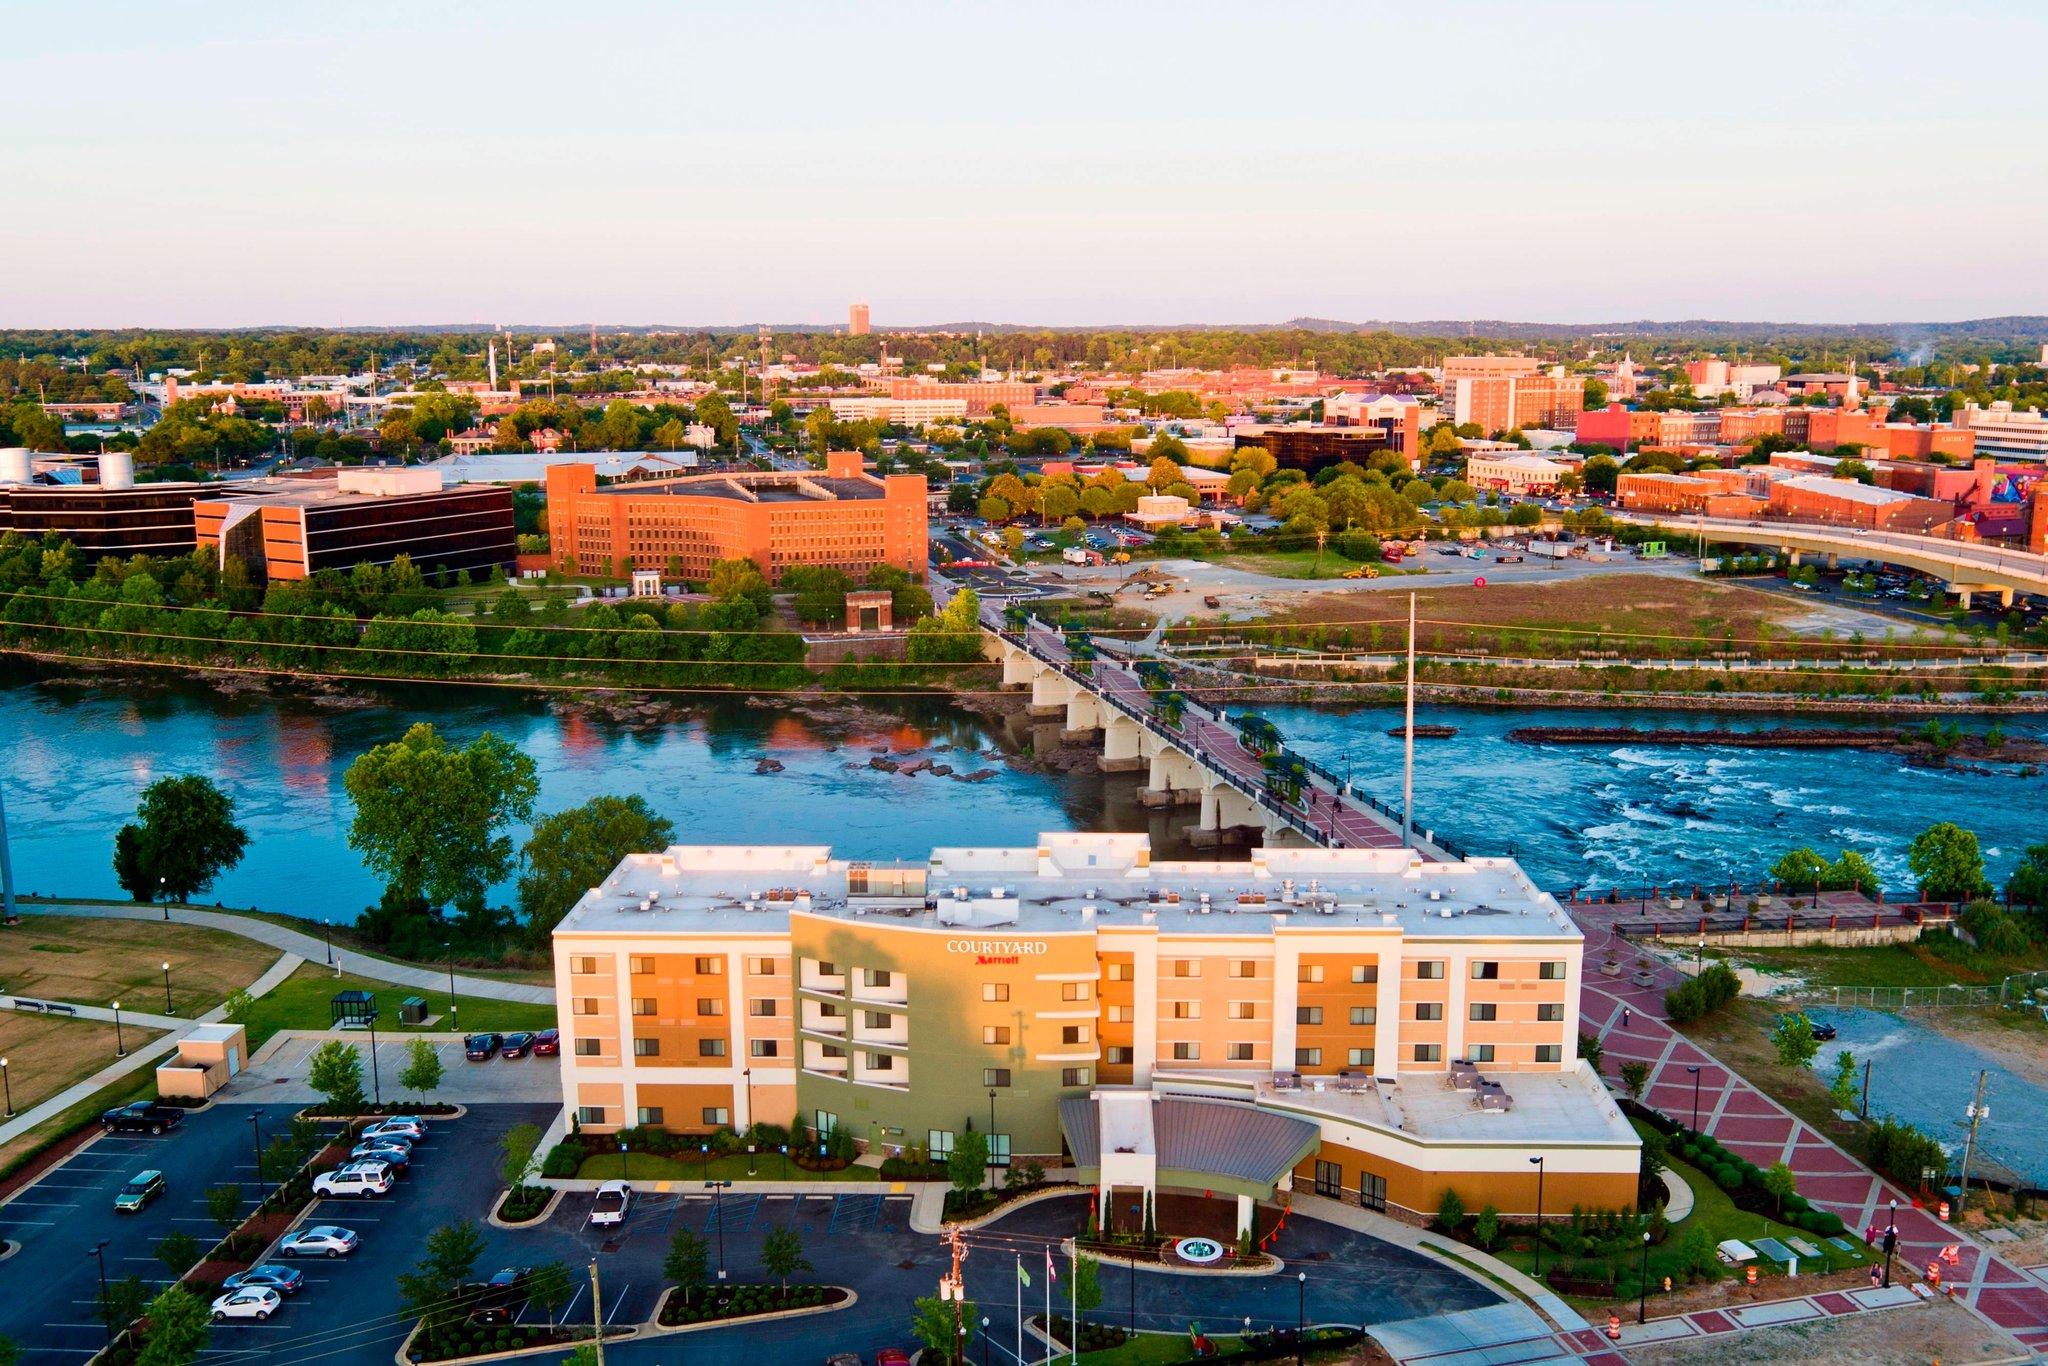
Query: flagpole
[[1073, 1307], [1049, 1278], [1020, 1309]]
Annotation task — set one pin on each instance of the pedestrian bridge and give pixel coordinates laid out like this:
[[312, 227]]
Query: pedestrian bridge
[[1967, 568], [1191, 754]]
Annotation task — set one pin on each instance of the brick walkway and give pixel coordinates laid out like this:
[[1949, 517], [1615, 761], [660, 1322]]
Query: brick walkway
[[1751, 1124]]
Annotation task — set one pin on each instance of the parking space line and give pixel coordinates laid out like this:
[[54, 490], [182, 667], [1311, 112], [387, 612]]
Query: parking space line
[[47, 1204], [617, 1300], [26, 1223]]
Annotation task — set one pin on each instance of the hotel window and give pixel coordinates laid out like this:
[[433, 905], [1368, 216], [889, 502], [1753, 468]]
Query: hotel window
[[995, 1076], [1308, 1015], [1485, 971], [1237, 1052], [1244, 967], [833, 1050], [710, 1005], [590, 1114], [764, 1048], [1073, 1076], [1429, 1052], [995, 1034], [999, 1150], [760, 967], [647, 1048], [1484, 1010], [1548, 1052], [1430, 970], [1550, 972], [717, 1116], [586, 1005], [1244, 1010], [1073, 1034], [1309, 972], [881, 1062], [1365, 1015], [764, 1008], [1551, 1012], [1359, 1057], [995, 991], [1119, 1014], [874, 1019], [1308, 1057], [1117, 972], [643, 1005], [709, 967], [1187, 1052], [711, 1048], [827, 968], [640, 965], [1370, 972], [1429, 1010], [1119, 1056], [587, 1048], [1187, 967], [1073, 991], [583, 964], [651, 1114], [1187, 1010], [1480, 1052], [939, 1144], [876, 977]]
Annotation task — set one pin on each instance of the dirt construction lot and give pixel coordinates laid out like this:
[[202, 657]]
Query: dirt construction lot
[[1912, 1336], [92, 962]]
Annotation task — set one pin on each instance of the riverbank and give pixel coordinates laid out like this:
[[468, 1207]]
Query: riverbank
[[1914, 746]]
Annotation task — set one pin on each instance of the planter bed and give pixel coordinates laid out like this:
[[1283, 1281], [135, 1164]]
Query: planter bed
[[441, 1108], [464, 1341], [524, 1204], [730, 1303]]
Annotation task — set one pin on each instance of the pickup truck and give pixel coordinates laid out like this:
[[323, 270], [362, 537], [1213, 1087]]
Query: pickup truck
[[142, 1117]]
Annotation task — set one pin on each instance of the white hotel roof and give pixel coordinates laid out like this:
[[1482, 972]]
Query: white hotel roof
[[1074, 882]]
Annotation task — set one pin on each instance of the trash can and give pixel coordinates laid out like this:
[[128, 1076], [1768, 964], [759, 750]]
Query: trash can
[[413, 1010]]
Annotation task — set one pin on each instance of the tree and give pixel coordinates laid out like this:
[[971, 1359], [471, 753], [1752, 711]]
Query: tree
[[1799, 870], [1946, 860], [1696, 1250], [1793, 1038], [1635, 1075], [1595, 395], [551, 1286], [2028, 885], [179, 1252], [430, 1288], [430, 819], [1450, 1211], [1851, 872], [516, 1148], [740, 578], [237, 1006], [178, 1328], [1086, 1293], [572, 851], [933, 1324], [224, 1204], [124, 1301], [422, 1072], [183, 837], [1842, 1090], [10, 1355], [1780, 1182], [688, 1263], [1600, 473], [336, 1071], [1591, 1049], [1486, 1227], [782, 1255], [967, 1166]]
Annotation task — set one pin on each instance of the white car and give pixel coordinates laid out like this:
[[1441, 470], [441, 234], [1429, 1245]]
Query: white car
[[613, 1199], [249, 1302], [404, 1126], [322, 1240], [364, 1179]]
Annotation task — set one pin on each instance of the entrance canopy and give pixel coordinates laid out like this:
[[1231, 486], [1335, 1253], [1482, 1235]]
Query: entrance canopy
[[1135, 1138]]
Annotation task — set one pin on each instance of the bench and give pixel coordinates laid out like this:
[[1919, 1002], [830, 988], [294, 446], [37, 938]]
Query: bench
[[45, 1007]]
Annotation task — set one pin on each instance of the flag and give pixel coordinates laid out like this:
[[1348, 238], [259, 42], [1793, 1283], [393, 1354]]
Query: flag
[[1022, 1274], [1052, 1272]]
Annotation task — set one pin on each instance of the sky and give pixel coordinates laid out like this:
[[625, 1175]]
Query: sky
[[242, 164]]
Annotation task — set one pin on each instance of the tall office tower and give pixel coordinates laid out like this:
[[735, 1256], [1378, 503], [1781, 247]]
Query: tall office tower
[[857, 320]]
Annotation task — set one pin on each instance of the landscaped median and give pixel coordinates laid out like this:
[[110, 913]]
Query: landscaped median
[[729, 1303]]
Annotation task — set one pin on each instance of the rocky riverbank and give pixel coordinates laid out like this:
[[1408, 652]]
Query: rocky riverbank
[[1940, 749]]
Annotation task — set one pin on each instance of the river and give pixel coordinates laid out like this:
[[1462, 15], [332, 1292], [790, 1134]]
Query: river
[[76, 752]]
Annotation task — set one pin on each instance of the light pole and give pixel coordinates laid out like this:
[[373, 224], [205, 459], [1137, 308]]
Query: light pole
[[98, 1252], [747, 1076], [376, 1083], [1300, 1314], [1891, 1241], [453, 1023], [1695, 1097], [256, 1140], [1537, 1163], [120, 1048], [991, 1138], [623, 1173], [327, 936], [168, 1009], [984, 1340], [1699, 956], [717, 1189], [1643, 1297], [8, 1087], [164, 894]]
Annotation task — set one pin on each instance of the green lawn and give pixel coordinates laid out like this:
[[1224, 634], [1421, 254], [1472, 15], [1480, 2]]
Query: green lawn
[[1937, 960], [1152, 1349], [301, 1001], [731, 1167]]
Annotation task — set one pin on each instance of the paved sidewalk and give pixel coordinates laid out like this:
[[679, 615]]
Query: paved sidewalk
[[1705, 1323], [1753, 1125], [311, 948]]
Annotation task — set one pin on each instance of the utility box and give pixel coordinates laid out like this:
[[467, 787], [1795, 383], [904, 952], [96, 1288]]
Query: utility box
[[413, 1010]]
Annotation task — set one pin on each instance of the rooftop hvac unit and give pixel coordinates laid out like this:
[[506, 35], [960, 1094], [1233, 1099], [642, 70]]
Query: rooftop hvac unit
[[1435, 894]]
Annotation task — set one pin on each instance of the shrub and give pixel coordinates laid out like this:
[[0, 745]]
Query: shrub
[[564, 1159], [1450, 1211], [1727, 1178], [1486, 1227]]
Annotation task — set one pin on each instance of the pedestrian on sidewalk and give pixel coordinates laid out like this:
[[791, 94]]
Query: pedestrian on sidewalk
[[1626, 1015]]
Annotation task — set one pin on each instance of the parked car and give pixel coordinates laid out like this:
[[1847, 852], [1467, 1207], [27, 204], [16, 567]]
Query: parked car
[[411, 1130], [499, 1299], [516, 1045], [547, 1043], [844, 1359], [251, 1302], [612, 1201], [142, 1188], [322, 1240], [362, 1180], [393, 1153], [142, 1117], [892, 1356], [480, 1047], [285, 1280], [1822, 1033]]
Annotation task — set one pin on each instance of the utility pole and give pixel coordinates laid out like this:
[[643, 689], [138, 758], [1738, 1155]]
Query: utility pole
[[596, 1314], [6, 865], [1408, 741], [954, 1288], [1977, 1113]]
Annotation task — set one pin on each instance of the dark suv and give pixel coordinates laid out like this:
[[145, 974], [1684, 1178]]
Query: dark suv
[[142, 1117], [480, 1047], [499, 1299]]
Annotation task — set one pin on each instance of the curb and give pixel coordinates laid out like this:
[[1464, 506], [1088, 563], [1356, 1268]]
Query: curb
[[611, 1335], [653, 1328], [55, 1166], [1110, 1259], [347, 1120], [547, 1212], [1006, 1208]]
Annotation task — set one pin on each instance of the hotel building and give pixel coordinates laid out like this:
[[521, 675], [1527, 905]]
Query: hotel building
[[1362, 1022]]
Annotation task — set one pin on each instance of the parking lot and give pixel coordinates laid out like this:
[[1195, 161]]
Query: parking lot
[[278, 1073]]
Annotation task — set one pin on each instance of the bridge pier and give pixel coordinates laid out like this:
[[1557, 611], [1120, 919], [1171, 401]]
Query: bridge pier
[[1122, 744], [1084, 714], [1019, 668], [1173, 779], [1230, 817], [1050, 693]]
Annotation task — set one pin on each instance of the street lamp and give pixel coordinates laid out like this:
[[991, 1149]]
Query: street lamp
[[747, 1076], [1300, 1314], [623, 1173], [991, 1138], [376, 1082], [1699, 956], [1891, 1241], [717, 1189], [1537, 1163], [120, 1048], [168, 1010], [984, 1339], [163, 892], [1643, 1298], [98, 1252], [1695, 1097], [256, 1139], [453, 1023], [8, 1087]]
